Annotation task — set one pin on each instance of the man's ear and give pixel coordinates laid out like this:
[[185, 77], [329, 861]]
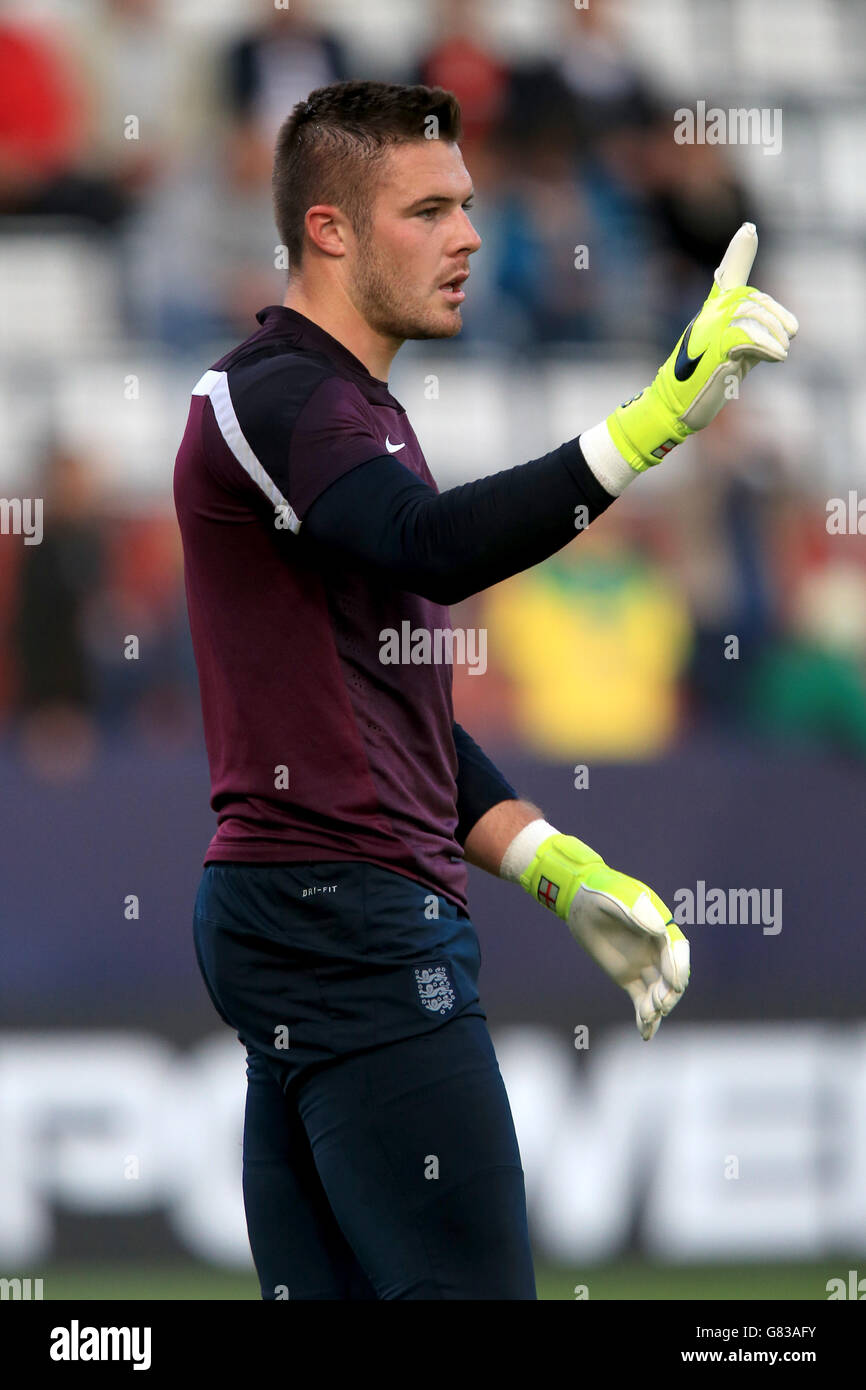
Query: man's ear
[[325, 227]]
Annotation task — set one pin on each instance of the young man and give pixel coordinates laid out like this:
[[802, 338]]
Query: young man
[[380, 1159]]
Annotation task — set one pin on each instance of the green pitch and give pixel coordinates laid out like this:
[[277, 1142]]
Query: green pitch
[[624, 1280]]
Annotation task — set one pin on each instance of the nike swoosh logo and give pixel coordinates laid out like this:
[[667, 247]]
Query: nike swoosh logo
[[685, 365], [393, 448]]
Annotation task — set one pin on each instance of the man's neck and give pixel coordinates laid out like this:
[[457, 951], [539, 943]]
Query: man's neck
[[341, 319]]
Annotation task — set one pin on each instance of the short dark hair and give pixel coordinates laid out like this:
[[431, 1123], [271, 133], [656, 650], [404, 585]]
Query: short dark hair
[[328, 147]]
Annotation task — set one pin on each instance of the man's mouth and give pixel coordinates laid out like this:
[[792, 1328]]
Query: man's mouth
[[452, 289]]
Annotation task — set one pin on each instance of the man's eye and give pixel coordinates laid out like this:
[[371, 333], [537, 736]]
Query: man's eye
[[431, 212]]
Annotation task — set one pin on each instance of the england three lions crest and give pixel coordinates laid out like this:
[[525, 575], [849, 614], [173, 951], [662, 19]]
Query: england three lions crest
[[435, 989]]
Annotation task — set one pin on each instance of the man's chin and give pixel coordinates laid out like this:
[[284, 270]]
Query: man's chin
[[444, 326]]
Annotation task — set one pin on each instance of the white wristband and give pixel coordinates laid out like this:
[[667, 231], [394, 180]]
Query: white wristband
[[605, 459], [523, 849]]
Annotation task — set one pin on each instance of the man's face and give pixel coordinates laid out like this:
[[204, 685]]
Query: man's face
[[419, 243]]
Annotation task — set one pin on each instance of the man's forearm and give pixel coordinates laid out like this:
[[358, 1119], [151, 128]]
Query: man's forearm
[[490, 837]]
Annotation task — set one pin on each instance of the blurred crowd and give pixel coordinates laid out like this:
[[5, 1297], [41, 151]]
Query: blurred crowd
[[168, 155], [164, 155]]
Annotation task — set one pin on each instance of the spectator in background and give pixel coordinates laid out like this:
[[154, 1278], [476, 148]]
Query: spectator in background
[[613, 109], [808, 687], [149, 101], [44, 131], [571, 180], [57, 581], [205, 253], [543, 218], [154, 695], [594, 641], [696, 203], [654, 215], [684, 199], [462, 62], [606, 86], [145, 92], [269, 70], [539, 214], [726, 517]]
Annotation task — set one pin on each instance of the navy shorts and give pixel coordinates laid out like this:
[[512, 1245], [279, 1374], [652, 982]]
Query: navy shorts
[[310, 962], [380, 1158]]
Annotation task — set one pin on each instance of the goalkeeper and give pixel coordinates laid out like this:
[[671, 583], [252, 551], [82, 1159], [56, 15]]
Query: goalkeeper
[[380, 1159]]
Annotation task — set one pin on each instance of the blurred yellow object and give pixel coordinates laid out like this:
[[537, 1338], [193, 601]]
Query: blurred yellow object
[[595, 647]]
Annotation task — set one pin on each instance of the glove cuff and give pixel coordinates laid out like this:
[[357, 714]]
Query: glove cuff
[[523, 849], [605, 460]]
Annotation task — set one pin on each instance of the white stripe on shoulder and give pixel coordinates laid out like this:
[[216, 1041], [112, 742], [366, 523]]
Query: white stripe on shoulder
[[216, 385], [204, 384]]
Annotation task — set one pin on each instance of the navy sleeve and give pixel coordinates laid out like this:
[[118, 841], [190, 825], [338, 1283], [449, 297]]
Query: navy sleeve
[[446, 546], [480, 784]]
